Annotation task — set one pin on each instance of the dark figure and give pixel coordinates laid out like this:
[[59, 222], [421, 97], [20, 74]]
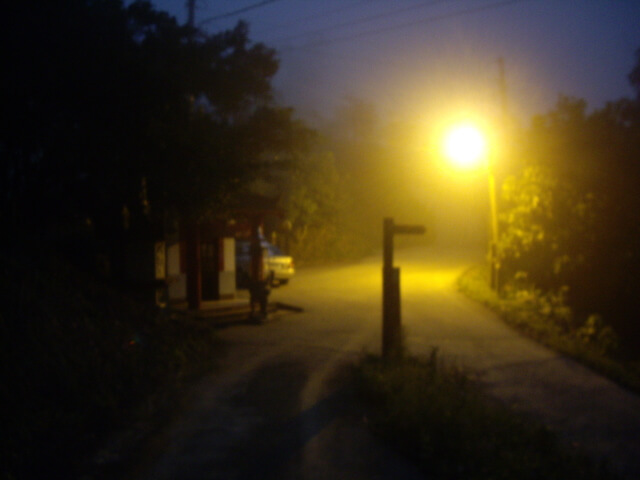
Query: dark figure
[[259, 294]]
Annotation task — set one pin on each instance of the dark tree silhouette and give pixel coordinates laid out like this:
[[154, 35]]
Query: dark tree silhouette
[[108, 108]]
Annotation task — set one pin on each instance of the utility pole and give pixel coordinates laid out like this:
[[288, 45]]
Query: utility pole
[[494, 263], [502, 86], [191, 13]]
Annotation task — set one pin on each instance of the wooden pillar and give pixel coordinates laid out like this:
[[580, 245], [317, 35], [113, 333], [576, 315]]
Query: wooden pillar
[[391, 318], [257, 273], [391, 323], [194, 267]]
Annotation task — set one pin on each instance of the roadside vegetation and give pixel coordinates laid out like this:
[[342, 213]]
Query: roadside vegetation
[[123, 129], [439, 417], [569, 219], [547, 319], [81, 361], [336, 196]]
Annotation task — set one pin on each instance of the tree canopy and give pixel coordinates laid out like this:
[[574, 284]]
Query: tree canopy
[[107, 106], [570, 217]]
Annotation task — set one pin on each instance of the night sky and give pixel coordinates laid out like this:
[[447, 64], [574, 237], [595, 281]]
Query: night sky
[[410, 58]]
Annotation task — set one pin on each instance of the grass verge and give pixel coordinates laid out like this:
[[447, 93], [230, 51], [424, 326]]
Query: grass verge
[[442, 420], [527, 319]]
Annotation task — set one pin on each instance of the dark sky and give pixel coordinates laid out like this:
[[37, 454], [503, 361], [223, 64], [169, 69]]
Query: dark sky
[[412, 58]]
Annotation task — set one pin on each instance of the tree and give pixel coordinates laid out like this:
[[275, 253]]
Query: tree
[[634, 76], [317, 201], [571, 216], [110, 106], [549, 229]]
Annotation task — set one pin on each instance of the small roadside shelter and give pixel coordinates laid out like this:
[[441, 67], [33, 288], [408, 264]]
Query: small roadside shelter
[[200, 256]]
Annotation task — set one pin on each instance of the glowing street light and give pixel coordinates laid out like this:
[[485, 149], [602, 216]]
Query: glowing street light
[[466, 146]]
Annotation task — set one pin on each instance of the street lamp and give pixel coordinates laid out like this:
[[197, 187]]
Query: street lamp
[[466, 146]]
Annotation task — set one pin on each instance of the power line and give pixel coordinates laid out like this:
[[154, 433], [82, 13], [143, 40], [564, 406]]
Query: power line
[[435, 18], [316, 16], [361, 20], [236, 12]]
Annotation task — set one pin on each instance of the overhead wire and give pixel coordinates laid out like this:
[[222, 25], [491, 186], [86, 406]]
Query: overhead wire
[[434, 18], [358, 21], [325, 14], [236, 12], [321, 45], [372, 32]]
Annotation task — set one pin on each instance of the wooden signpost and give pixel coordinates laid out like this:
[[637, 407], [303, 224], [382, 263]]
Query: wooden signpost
[[391, 323]]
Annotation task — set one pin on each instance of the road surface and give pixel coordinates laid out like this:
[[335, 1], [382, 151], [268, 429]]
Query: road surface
[[275, 408]]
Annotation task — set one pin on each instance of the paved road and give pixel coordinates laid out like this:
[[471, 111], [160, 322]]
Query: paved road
[[277, 410]]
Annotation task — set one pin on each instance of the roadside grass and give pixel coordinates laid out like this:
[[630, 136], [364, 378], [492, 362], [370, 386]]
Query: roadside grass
[[525, 315], [440, 418], [81, 361]]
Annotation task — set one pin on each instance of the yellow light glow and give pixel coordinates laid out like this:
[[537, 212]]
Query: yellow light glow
[[433, 279], [465, 145]]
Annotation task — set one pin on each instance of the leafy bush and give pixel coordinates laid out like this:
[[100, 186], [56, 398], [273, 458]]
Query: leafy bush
[[595, 333]]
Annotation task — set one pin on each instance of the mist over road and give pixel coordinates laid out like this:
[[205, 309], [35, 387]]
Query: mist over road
[[276, 410]]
